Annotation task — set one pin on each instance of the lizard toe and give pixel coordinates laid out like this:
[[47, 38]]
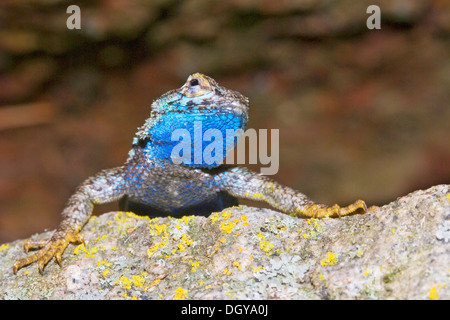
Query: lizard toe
[[322, 211], [34, 244], [350, 209], [53, 248]]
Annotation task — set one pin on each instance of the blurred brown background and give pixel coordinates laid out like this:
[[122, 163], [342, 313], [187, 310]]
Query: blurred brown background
[[362, 113]]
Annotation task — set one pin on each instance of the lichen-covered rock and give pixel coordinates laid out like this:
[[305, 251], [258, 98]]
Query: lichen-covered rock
[[398, 251]]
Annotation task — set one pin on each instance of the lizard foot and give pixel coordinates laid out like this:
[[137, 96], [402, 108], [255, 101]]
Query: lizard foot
[[48, 249], [320, 211]]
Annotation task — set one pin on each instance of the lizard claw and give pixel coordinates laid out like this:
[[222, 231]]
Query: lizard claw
[[48, 249]]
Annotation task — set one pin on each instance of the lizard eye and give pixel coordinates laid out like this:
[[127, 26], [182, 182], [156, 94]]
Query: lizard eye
[[194, 82], [196, 86]]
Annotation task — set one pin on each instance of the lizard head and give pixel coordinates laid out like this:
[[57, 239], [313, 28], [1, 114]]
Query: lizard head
[[199, 105]]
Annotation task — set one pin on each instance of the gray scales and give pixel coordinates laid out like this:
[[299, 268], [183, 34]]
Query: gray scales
[[149, 177]]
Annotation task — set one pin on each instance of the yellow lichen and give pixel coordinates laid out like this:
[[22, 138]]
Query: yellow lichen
[[138, 281], [227, 227], [315, 228], [78, 249], [433, 295], [102, 237], [256, 269], [124, 282], [330, 260], [180, 293], [195, 265], [91, 253], [186, 241], [265, 246], [244, 220], [104, 262], [214, 217], [226, 214], [237, 264], [154, 248], [257, 195], [82, 249], [187, 219], [434, 291], [154, 282], [120, 217], [130, 214], [160, 228], [3, 247]]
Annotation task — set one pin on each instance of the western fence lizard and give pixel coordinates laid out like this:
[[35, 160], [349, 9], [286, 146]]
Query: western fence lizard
[[151, 177]]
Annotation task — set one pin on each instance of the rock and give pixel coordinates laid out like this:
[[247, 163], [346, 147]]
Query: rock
[[398, 251]]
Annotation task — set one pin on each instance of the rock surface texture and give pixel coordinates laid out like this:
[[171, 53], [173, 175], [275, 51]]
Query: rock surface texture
[[398, 251]]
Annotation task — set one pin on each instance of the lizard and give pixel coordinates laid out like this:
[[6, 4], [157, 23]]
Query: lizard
[[150, 176]]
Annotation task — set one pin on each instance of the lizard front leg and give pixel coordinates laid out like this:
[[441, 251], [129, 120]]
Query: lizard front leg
[[101, 188], [243, 183]]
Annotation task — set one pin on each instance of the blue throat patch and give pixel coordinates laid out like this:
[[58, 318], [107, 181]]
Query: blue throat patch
[[198, 140]]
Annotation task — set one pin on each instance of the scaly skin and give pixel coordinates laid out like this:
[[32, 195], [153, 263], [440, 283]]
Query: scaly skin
[[150, 177]]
